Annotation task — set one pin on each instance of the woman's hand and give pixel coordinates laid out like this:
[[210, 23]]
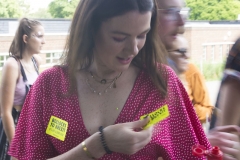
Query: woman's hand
[[227, 138], [123, 138]]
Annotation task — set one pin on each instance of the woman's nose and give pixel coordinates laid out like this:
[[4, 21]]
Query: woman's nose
[[43, 41], [133, 46]]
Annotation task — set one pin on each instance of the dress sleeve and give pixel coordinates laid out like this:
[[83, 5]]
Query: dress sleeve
[[182, 129], [201, 100], [195, 124], [30, 141]]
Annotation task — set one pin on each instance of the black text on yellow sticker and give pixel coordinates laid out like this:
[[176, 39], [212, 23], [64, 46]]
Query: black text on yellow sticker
[[57, 128], [156, 116]]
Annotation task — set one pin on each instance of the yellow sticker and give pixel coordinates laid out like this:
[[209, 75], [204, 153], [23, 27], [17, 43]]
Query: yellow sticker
[[57, 128], [156, 116]]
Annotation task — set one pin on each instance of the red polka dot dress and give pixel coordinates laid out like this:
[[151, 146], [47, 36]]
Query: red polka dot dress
[[172, 138]]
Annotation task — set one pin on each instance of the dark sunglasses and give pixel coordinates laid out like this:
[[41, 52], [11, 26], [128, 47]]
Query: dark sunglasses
[[182, 51]]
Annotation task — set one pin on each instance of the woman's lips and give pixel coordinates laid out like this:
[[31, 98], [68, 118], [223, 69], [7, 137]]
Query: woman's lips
[[174, 37], [124, 60]]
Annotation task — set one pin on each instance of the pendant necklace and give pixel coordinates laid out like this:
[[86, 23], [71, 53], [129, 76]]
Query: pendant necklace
[[106, 81], [111, 85]]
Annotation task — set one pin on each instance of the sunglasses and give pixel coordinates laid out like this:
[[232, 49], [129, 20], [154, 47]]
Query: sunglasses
[[182, 51], [173, 14]]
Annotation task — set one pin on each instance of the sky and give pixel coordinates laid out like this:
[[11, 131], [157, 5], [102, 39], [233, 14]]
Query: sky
[[36, 4]]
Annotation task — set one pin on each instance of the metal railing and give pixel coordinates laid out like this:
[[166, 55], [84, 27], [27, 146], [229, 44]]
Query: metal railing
[[214, 52], [219, 50], [3, 58], [50, 58]]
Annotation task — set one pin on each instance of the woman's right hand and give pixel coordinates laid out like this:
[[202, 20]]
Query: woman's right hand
[[223, 137], [123, 138]]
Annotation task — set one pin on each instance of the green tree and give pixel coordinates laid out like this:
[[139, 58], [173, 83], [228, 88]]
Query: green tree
[[62, 8], [10, 9], [213, 9]]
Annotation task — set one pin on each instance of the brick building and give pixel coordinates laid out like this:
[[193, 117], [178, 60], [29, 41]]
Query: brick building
[[207, 40]]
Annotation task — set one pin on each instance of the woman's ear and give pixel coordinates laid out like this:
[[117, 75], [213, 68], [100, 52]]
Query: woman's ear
[[25, 38]]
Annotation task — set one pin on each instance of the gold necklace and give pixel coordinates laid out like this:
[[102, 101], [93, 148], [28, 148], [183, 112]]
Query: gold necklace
[[105, 81], [112, 84]]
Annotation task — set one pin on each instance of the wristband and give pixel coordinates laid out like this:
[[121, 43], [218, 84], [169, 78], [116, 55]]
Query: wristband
[[104, 144]]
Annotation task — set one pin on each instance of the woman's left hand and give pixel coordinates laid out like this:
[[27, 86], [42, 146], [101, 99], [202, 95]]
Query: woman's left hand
[[223, 137]]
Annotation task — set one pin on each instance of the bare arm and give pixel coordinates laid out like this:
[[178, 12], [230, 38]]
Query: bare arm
[[10, 74], [121, 138], [229, 103], [93, 145]]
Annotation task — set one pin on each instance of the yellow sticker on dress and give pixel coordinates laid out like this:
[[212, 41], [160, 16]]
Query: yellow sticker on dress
[[57, 128], [156, 116]]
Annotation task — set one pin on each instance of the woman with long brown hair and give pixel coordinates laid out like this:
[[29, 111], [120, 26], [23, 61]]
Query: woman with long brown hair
[[19, 72], [112, 74]]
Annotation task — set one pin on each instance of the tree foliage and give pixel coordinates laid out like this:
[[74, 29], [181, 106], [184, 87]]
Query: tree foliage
[[213, 9], [63, 8], [10, 9]]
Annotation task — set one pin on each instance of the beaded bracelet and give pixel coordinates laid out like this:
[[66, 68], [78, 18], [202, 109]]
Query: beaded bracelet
[[86, 150], [104, 144]]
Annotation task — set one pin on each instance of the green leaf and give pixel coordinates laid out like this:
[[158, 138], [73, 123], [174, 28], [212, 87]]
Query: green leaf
[[213, 9]]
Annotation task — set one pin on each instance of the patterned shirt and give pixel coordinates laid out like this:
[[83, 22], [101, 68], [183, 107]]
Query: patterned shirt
[[172, 138]]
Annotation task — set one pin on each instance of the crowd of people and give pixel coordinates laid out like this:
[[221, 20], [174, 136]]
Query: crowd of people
[[124, 59]]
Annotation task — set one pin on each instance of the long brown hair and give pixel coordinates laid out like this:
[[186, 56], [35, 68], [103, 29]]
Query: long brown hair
[[26, 27], [88, 18]]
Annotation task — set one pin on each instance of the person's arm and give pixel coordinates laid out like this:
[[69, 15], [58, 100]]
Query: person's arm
[[10, 75], [229, 102], [223, 137], [201, 100], [120, 138]]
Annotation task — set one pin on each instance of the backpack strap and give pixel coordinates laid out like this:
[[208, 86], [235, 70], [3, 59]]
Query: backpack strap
[[23, 74]]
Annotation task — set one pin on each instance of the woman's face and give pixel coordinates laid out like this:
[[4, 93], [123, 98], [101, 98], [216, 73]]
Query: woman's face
[[120, 39], [36, 40]]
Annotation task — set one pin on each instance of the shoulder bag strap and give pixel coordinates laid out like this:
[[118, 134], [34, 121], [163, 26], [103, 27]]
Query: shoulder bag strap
[[35, 65], [24, 78], [23, 72]]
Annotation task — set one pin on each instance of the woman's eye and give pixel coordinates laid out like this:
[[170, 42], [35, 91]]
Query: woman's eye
[[142, 36], [119, 39]]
